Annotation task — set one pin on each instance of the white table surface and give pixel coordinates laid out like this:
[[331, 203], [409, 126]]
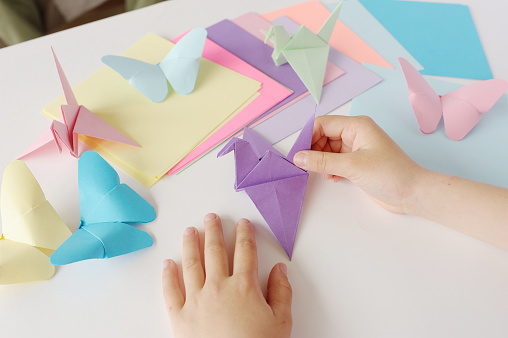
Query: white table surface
[[357, 270]]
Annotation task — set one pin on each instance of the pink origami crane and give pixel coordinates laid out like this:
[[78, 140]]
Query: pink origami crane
[[461, 109], [272, 181], [76, 119]]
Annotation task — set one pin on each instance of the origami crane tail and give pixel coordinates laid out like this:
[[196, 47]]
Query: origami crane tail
[[327, 29], [69, 95], [304, 140]]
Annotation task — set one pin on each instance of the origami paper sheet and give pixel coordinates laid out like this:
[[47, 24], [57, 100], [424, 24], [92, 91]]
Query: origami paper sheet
[[253, 51], [442, 37], [306, 52], [29, 222], [76, 119], [343, 39], [166, 131], [272, 181], [179, 67], [106, 206], [366, 26], [475, 157], [356, 80], [270, 94], [461, 109]]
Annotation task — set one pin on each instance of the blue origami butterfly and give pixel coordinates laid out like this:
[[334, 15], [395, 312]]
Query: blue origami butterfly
[[180, 67], [105, 206]]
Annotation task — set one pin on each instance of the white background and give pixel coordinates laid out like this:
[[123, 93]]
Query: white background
[[357, 270]]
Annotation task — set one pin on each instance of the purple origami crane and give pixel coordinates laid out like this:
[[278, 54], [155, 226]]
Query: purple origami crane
[[272, 181]]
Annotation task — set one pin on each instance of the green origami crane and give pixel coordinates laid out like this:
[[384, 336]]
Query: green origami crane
[[305, 51]]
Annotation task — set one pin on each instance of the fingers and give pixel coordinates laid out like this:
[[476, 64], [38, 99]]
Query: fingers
[[216, 259], [193, 273], [279, 294], [246, 257], [338, 164], [171, 291]]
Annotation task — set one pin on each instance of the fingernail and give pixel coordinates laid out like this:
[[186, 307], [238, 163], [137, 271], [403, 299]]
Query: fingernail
[[210, 217], [283, 268], [189, 231], [243, 221], [300, 159], [166, 263]]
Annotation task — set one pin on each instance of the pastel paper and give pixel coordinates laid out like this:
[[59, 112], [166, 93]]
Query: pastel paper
[[272, 181], [461, 109], [475, 157], [179, 67], [365, 25], [306, 52], [356, 80], [106, 206], [171, 129], [28, 221], [253, 51], [313, 14], [76, 119], [270, 94], [442, 37]]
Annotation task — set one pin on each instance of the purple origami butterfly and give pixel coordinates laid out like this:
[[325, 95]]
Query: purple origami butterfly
[[272, 181]]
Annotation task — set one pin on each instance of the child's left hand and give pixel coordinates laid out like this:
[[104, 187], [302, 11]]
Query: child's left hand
[[216, 304]]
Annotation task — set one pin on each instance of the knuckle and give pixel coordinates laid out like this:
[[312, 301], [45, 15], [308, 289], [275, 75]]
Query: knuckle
[[215, 247], [246, 243], [191, 263], [320, 162], [244, 283]]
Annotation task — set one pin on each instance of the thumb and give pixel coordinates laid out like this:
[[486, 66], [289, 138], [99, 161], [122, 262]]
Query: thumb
[[338, 164], [279, 293]]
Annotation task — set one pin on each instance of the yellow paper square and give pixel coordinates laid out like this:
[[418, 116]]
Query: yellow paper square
[[166, 131]]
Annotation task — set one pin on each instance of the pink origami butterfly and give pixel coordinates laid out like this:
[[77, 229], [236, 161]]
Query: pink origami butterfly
[[461, 109]]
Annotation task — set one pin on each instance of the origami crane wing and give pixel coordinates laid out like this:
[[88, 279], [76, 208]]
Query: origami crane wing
[[106, 206], [180, 67], [461, 109], [28, 221]]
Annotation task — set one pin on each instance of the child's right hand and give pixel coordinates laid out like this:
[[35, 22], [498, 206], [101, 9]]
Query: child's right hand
[[359, 150]]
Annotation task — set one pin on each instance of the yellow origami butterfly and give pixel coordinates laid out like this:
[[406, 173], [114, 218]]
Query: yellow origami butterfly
[[30, 227]]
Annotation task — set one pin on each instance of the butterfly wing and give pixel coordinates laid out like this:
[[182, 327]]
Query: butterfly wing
[[80, 246], [425, 102], [463, 107], [103, 198], [27, 217], [21, 263], [101, 240], [181, 65], [145, 77]]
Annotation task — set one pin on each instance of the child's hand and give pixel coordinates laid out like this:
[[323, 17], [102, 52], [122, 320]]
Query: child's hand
[[216, 304], [357, 149]]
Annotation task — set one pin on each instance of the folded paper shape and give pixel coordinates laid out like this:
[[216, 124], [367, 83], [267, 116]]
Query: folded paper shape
[[306, 52], [179, 67], [106, 206], [29, 222], [166, 131], [279, 124], [461, 109], [313, 14], [441, 36], [476, 157], [272, 181], [76, 119]]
